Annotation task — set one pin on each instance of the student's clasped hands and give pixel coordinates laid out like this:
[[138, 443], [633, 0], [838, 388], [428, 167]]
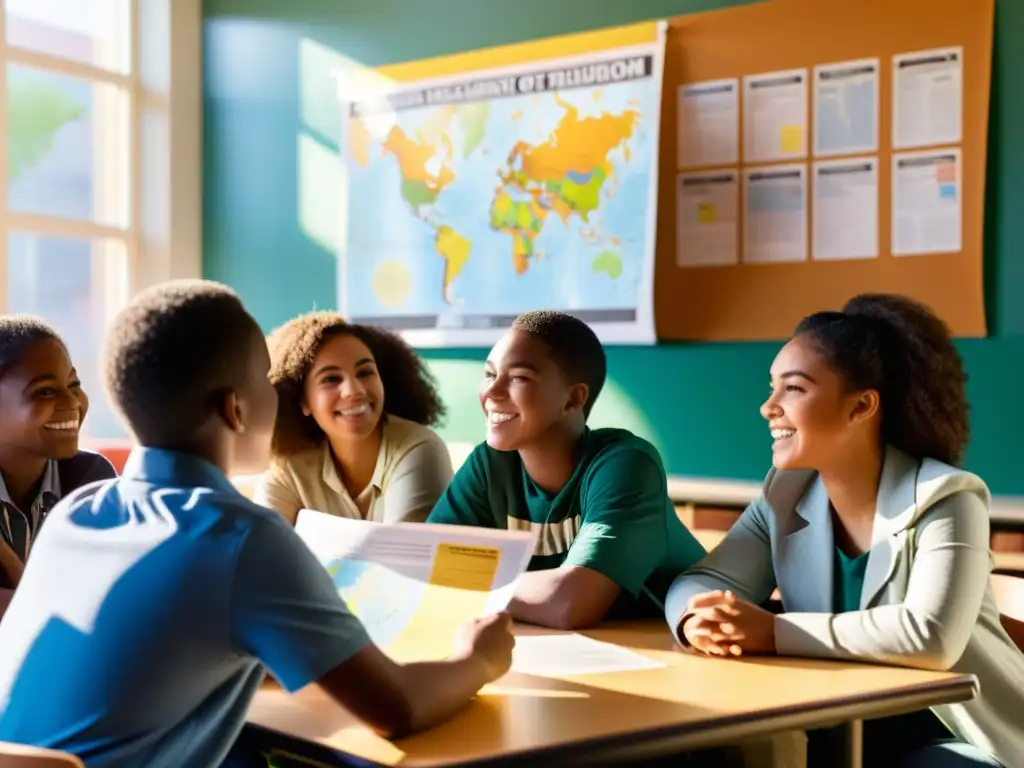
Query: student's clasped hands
[[720, 624]]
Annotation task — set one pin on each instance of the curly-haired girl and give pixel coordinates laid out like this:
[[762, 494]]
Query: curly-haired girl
[[352, 436], [877, 541]]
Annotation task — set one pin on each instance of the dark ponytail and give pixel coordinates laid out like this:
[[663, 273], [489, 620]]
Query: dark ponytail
[[900, 348]]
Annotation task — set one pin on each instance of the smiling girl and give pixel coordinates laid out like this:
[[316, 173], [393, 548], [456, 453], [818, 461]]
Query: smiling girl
[[42, 407], [877, 541], [352, 436]]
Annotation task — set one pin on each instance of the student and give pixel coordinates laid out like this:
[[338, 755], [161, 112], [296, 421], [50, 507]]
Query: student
[[353, 434], [42, 407], [152, 603], [608, 533], [878, 543]]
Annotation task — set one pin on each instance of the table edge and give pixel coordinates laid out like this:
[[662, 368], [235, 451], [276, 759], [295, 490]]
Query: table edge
[[730, 729]]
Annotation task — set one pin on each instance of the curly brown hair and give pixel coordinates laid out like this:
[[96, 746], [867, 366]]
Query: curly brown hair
[[409, 389], [900, 348]]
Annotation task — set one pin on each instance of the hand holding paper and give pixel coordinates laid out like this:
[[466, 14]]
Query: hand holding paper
[[489, 639], [412, 585]]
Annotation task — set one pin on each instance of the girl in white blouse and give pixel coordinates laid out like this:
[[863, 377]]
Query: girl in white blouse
[[353, 434]]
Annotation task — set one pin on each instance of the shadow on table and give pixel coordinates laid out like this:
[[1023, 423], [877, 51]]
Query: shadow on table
[[503, 720]]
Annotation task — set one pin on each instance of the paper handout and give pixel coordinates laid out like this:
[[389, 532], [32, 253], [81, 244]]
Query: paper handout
[[567, 655], [414, 585]]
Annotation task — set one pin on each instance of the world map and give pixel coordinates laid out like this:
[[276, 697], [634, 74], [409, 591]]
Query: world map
[[487, 207], [384, 601]]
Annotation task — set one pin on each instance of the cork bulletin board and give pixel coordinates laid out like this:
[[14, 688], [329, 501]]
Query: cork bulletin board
[[764, 298]]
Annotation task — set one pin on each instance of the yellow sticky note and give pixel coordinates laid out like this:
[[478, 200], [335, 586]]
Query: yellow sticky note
[[706, 213], [791, 138], [465, 567]]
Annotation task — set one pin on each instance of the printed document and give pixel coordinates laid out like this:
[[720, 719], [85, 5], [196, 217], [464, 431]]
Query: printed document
[[414, 585]]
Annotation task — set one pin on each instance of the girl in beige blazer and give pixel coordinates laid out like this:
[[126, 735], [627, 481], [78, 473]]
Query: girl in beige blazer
[[878, 544]]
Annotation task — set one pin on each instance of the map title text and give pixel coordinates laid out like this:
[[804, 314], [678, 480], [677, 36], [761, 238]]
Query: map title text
[[605, 72]]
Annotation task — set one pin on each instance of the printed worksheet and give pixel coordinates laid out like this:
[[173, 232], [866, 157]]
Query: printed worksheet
[[414, 585]]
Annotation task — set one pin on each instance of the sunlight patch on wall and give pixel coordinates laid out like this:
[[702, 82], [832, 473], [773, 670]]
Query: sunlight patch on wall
[[320, 188], [616, 408], [326, 77], [319, 107]]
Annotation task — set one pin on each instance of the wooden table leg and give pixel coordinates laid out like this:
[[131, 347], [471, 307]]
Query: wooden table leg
[[783, 750], [849, 745]]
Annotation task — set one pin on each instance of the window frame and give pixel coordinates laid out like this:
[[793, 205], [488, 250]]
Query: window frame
[[163, 235]]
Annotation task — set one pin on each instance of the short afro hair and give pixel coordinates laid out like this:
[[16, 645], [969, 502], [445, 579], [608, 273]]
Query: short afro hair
[[170, 351], [409, 389], [574, 347], [17, 334]]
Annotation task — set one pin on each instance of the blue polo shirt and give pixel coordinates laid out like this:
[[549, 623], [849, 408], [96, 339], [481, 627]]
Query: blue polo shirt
[[148, 612]]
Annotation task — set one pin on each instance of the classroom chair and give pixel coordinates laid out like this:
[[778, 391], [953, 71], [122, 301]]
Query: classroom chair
[[20, 756], [115, 451], [1010, 563], [1010, 599]]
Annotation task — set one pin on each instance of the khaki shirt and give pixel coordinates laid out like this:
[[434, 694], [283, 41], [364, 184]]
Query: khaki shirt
[[413, 469]]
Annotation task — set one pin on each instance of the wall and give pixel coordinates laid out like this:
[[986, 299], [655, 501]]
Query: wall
[[270, 209]]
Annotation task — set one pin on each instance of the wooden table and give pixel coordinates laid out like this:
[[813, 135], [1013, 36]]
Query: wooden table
[[694, 702], [1004, 562]]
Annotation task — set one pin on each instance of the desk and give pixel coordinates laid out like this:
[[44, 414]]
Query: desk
[[1003, 562], [693, 703], [1007, 511]]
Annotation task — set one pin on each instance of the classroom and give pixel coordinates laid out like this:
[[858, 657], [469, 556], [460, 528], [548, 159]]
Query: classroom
[[791, 273]]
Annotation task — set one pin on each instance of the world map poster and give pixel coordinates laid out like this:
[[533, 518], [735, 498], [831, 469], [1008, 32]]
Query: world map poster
[[473, 198]]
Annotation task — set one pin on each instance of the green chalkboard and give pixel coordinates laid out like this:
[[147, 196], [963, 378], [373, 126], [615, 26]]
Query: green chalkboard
[[270, 214]]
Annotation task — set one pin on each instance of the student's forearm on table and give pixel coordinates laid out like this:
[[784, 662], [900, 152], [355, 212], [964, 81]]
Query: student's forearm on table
[[396, 700], [5, 600], [554, 599], [439, 689]]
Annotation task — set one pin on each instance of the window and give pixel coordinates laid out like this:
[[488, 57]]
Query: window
[[88, 118]]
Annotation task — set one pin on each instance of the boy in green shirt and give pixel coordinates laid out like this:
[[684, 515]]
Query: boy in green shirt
[[609, 540]]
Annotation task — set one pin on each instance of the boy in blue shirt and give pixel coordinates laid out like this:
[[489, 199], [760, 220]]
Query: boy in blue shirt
[[609, 540], [153, 603]]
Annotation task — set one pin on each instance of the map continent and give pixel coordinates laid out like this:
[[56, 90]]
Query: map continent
[[386, 602]]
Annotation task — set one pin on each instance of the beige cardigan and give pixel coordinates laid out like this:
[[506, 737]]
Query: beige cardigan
[[927, 599], [412, 471]]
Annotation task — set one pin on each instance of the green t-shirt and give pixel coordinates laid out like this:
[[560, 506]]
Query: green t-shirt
[[848, 581], [613, 516]]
